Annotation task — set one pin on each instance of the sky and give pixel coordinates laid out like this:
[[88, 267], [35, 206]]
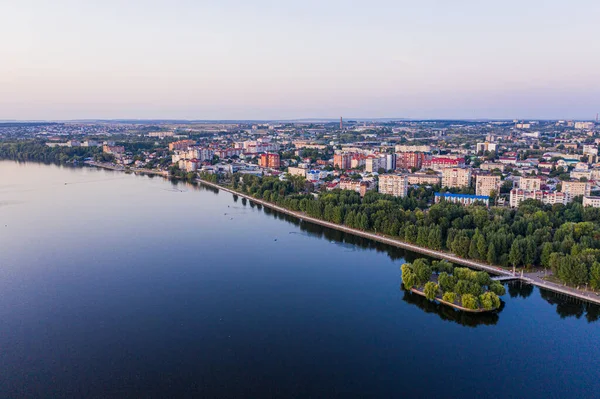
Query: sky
[[230, 59]]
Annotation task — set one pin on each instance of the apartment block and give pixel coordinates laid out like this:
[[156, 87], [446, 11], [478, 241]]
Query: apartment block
[[424, 178], [375, 162], [393, 185], [269, 160], [530, 183], [342, 161], [518, 195], [485, 184], [456, 177], [591, 201], [575, 188], [409, 160]]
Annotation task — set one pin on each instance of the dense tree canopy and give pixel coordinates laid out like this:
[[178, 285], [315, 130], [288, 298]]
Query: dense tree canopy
[[38, 151]]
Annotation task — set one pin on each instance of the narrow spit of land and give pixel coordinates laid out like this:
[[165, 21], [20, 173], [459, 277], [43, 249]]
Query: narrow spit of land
[[530, 278]]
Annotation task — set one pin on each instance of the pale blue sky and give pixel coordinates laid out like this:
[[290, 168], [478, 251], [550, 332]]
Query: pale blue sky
[[230, 59]]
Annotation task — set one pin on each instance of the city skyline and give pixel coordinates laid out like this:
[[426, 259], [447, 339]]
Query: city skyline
[[301, 60]]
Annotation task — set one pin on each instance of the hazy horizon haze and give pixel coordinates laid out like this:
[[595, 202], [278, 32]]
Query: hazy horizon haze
[[297, 60]]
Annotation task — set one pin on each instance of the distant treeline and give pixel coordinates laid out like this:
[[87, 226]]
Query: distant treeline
[[38, 151]]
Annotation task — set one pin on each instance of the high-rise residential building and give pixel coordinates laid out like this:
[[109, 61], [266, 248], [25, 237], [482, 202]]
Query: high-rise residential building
[[483, 147], [584, 125], [456, 177], [357, 161], [523, 125], [574, 188], [485, 184], [530, 183], [342, 160], [590, 149], [393, 185], [181, 145], [269, 160], [409, 160], [375, 162], [439, 163], [390, 162], [518, 195]]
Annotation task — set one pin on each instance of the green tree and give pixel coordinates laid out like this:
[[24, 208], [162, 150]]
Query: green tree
[[491, 254], [449, 296], [516, 255], [422, 271], [461, 245], [489, 300], [483, 278], [430, 290], [497, 288], [409, 280], [469, 301], [446, 282], [595, 276], [546, 252]]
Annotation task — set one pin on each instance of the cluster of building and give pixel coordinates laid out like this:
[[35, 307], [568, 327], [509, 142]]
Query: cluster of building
[[500, 162]]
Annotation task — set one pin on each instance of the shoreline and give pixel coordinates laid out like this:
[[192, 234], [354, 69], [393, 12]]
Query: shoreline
[[413, 248], [453, 305], [119, 168]]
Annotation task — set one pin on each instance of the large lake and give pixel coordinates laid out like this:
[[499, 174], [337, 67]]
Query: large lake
[[115, 285]]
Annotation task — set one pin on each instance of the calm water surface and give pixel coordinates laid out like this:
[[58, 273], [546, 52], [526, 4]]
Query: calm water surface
[[116, 285]]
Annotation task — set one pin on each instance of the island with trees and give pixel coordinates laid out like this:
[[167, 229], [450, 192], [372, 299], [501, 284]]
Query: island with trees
[[459, 287]]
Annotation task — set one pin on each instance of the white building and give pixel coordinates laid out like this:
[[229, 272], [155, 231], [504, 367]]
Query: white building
[[483, 147], [375, 162], [530, 183], [485, 184], [393, 185], [456, 177], [518, 195], [584, 125], [297, 171], [591, 201], [590, 149], [574, 188]]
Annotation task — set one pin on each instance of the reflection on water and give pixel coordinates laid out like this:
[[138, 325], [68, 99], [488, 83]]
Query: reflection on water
[[567, 306], [448, 313], [519, 289]]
